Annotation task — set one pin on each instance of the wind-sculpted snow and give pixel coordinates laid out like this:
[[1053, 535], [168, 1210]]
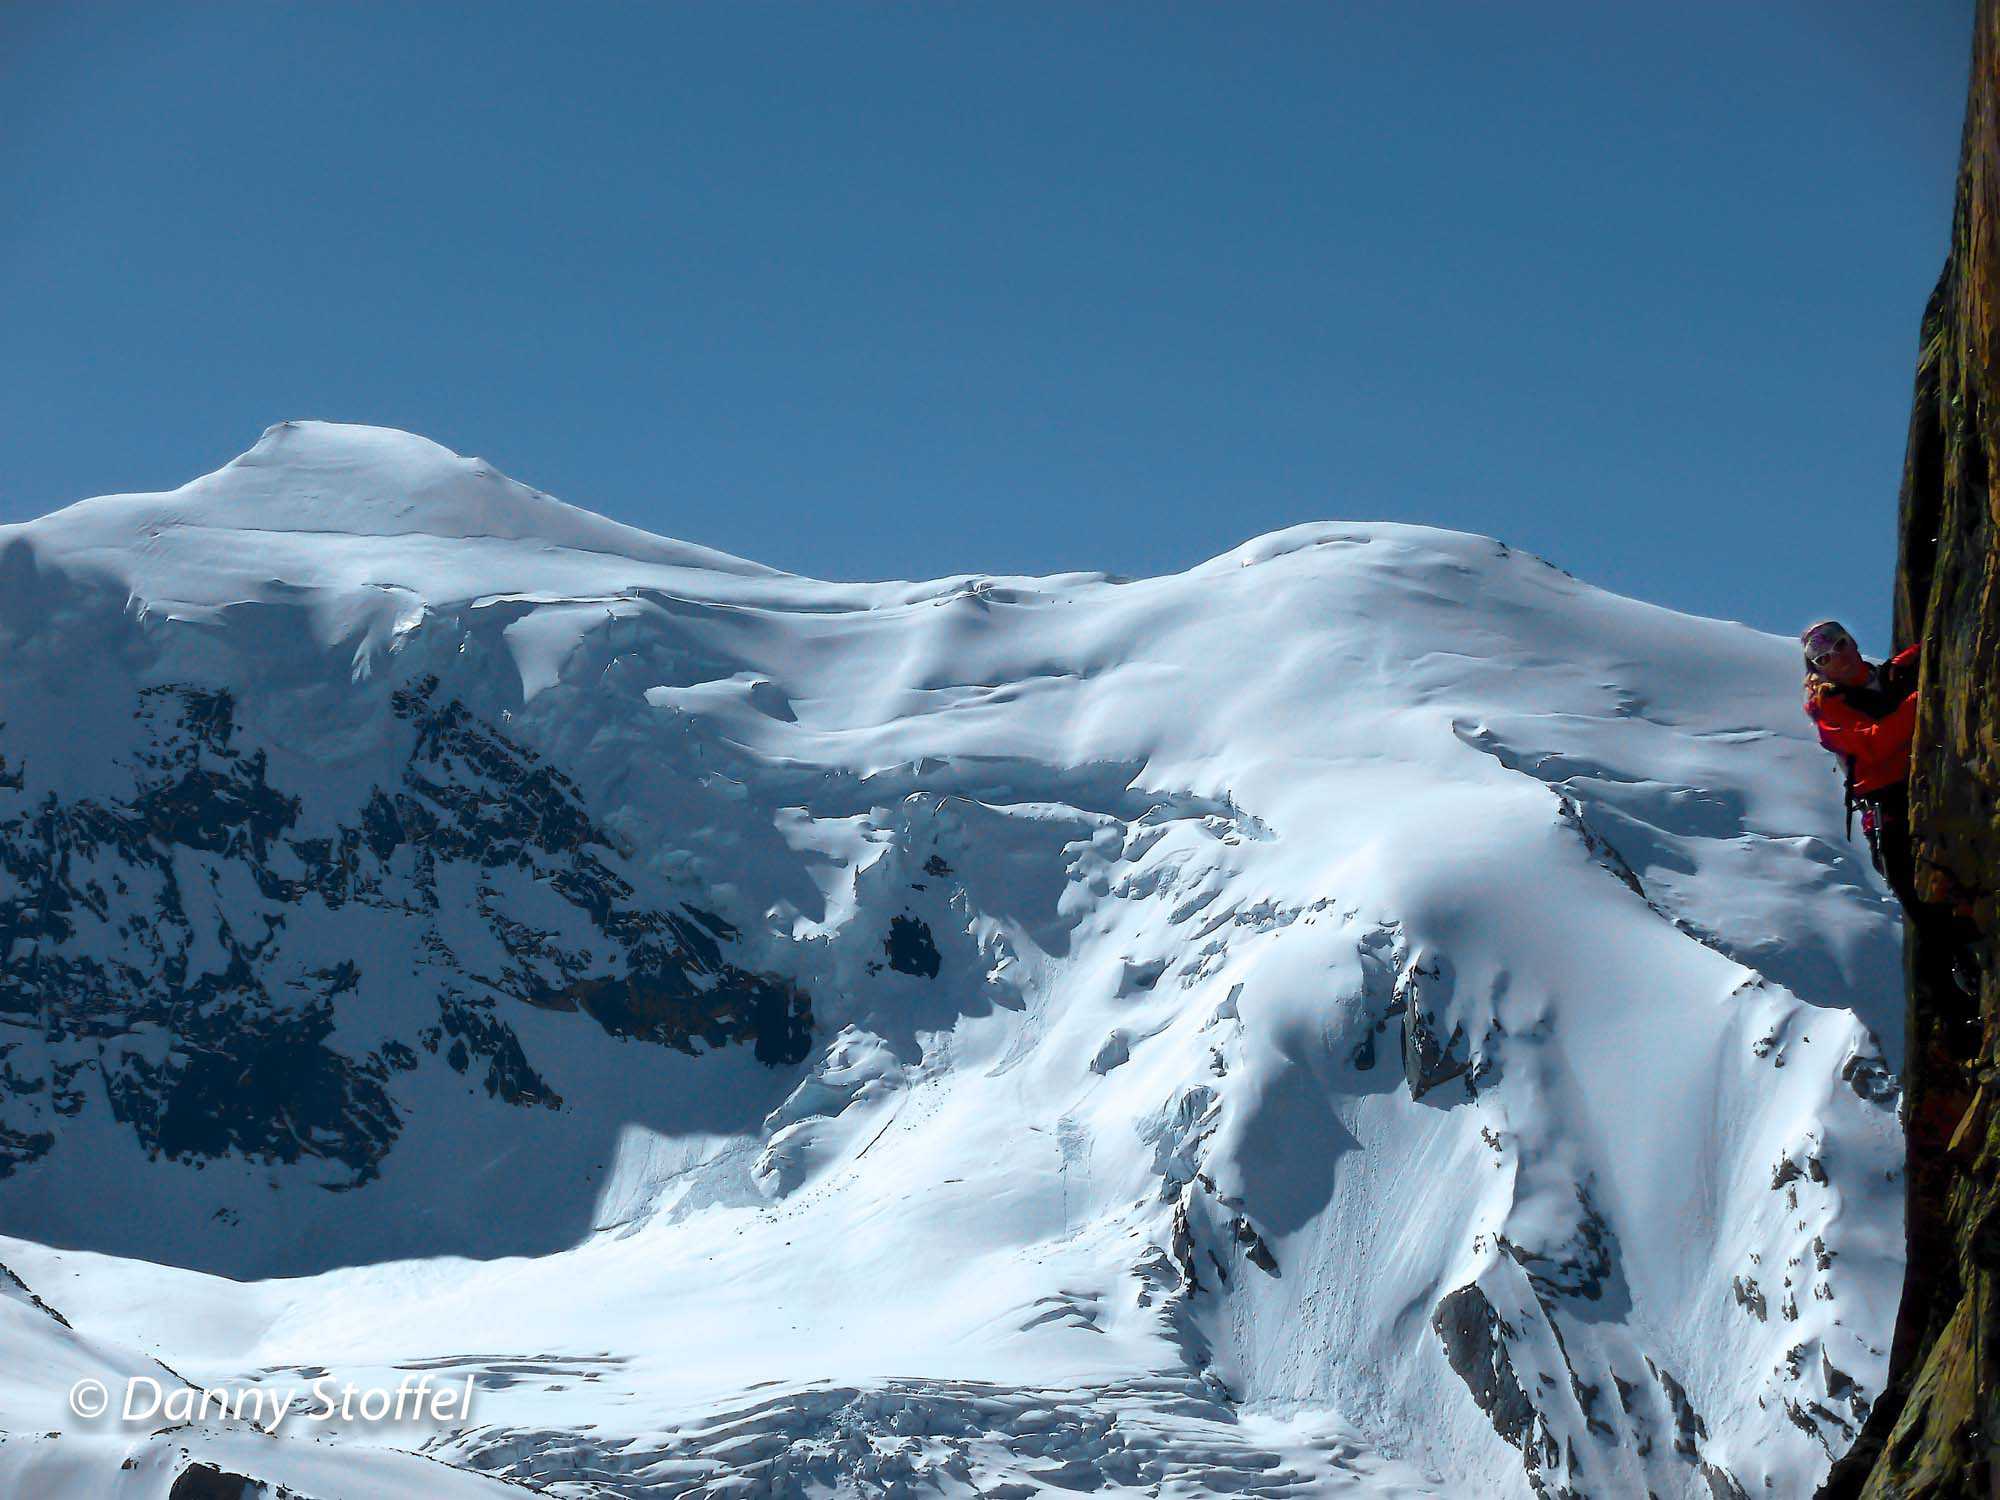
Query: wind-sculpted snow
[[1370, 1014]]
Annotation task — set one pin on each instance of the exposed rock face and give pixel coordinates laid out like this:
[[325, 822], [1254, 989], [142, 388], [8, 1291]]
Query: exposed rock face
[[199, 1481], [1935, 1430], [189, 947], [206, 1482], [911, 948], [1475, 1341]]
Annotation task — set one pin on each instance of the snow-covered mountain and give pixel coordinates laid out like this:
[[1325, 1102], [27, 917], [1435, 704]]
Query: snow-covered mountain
[[1371, 1014]]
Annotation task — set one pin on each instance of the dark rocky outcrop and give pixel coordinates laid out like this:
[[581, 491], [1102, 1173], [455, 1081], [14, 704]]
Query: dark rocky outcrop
[[207, 1482], [199, 1481], [185, 944], [911, 948], [1429, 1058], [13, 1286], [1475, 1339], [1935, 1430], [1584, 1266]]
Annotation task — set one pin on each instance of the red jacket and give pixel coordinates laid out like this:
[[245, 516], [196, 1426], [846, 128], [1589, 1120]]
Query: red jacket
[[1869, 727]]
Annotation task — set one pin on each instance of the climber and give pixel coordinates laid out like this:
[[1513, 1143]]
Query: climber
[[1865, 714]]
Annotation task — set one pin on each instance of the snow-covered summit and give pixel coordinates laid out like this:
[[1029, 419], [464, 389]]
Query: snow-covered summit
[[1370, 1010], [318, 500]]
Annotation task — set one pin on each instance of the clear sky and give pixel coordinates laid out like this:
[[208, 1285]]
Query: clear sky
[[906, 290]]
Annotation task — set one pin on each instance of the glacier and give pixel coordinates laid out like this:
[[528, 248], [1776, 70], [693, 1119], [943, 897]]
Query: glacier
[[1371, 1014]]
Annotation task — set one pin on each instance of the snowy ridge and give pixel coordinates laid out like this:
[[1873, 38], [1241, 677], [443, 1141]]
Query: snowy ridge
[[1371, 1013]]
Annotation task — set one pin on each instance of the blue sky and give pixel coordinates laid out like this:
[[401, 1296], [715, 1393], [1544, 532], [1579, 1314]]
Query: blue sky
[[906, 290]]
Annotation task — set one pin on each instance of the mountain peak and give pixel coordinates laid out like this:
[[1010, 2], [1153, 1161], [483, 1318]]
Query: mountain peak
[[357, 480], [339, 504], [407, 876], [307, 443]]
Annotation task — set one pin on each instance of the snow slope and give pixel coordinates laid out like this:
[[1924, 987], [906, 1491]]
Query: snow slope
[[1369, 1014]]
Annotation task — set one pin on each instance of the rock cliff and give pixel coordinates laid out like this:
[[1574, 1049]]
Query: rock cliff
[[1934, 1432]]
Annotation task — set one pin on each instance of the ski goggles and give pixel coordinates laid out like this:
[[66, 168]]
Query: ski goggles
[[1823, 642]]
